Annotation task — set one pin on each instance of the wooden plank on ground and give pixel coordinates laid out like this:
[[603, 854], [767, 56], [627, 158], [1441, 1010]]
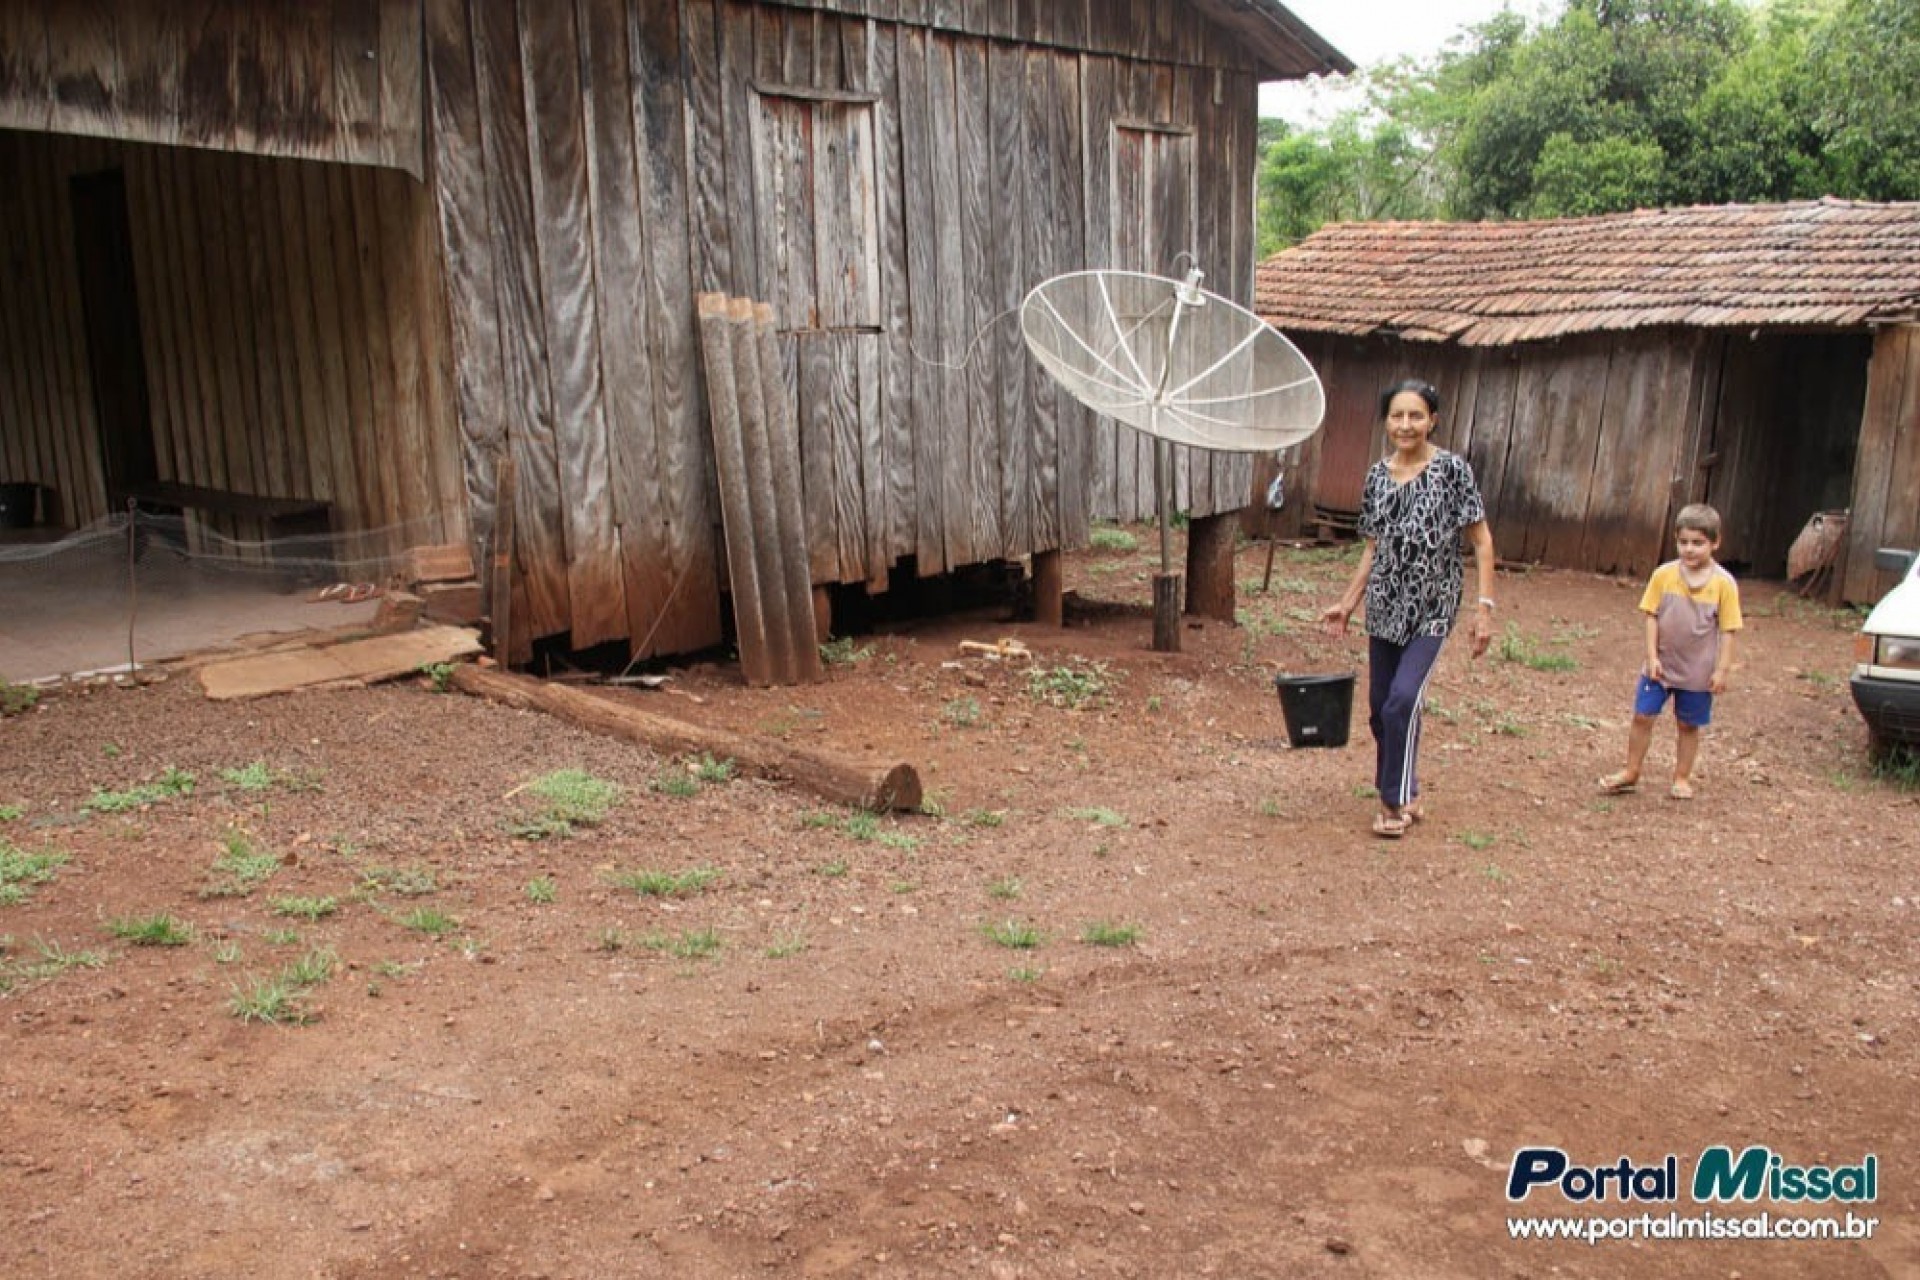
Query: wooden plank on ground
[[355, 662]]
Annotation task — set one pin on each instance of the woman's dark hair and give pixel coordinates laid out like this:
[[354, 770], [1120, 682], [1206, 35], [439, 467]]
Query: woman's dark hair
[[1425, 390]]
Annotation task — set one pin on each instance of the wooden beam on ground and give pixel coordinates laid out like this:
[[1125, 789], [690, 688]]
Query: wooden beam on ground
[[355, 662], [863, 784]]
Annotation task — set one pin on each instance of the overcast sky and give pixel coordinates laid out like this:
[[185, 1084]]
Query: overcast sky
[[1373, 31]]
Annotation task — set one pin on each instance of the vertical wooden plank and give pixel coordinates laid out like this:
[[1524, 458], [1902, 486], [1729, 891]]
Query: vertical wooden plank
[[928, 441], [845, 239], [1096, 131], [359, 290], [402, 142], [74, 429], [83, 64], [780, 463], [332, 320], [737, 55], [563, 240], [619, 292], [540, 546], [1007, 282], [1069, 198], [356, 65], [400, 209], [1887, 465], [310, 421], [705, 144], [266, 278], [890, 520], [815, 422], [782, 136], [950, 288], [664, 122], [724, 408], [1040, 252], [978, 213], [150, 79], [459, 188]]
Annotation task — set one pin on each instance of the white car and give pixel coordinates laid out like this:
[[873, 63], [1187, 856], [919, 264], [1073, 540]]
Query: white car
[[1886, 673]]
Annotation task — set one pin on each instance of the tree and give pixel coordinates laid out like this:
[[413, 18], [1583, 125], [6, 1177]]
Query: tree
[[1867, 60]]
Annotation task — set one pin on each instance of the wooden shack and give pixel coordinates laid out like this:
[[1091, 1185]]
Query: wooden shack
[[1604, 371], [367, 252]]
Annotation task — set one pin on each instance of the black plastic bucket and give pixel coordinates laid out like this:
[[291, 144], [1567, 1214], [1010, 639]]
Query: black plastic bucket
[[17, 502], [1318, 709]]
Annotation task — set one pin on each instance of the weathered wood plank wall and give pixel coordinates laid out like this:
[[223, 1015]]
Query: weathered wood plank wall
[[336, 80], [295, 338], [1886, 489], [892, 177], [1584, 449]]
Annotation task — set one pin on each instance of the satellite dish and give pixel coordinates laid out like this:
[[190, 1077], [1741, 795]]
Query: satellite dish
[[1185, 366], [1169, 358]]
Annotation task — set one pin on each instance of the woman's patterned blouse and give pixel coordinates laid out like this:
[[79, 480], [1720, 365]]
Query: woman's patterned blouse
[[1414, 587]]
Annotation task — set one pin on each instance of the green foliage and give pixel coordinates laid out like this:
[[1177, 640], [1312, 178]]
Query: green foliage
[[308, 909], [151, 931], [570, 798], [51, 960], [1098, 816], [1072, 685], [407, 882], [21, 870], [665, 884], [1515, 645], [170, 784], [1608, 105], [427, 920], [1016, 935], [440, 674], [11, 812], [962, 712], [16, 699], [1107, 537], [842, 652], [241, 866], [712, 771], [1103, 933], [542, 890], [281, 998], [258, 776]]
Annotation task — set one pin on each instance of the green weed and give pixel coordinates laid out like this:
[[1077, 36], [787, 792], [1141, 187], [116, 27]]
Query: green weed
[[1017, 935], [1477, 840], [439, 674], [308, 909], [17, 699], [280, 998], [676, 782], [407, 882], [835, 870], [11, 812], [1073, 685], [1026, 974], [1098, 816], [21, 870], [241, 867], [570, 798], [51, 960], [427, 920], [541, 890], [151, 931], [1106, 537], [258, 776], [689, 944], [785, 946], [1103, 933], [1515, 646], [842, 652], [665, 884], [961, 713], [711, 771], [984, 817], [171, 784], [1005, 889]]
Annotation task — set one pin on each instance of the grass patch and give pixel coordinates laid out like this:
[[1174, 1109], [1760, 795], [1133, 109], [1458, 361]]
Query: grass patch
[[281, 998], [430, 921], [11, 812], [984, 817], [961, 713], [710, 771], [1107, 537], [1073, 685], [406, 882], [171, 784], [1016, 935], [665, 884], [570, 798], [676, 782], [1026, 973], [1005, 889], [284, 936], [1477, 840], [1515, 645], [308, 909], [688, 944], [17, 699], [49, 961], [151, 931], [1098, 816], [241, 867], [1102, 933], [1899, 767], [835, 870], [21, 870], [785, 946], [541, 890], [842, 652]]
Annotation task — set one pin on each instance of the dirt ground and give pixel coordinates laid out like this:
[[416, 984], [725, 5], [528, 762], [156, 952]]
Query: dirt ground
[[731, 1030]]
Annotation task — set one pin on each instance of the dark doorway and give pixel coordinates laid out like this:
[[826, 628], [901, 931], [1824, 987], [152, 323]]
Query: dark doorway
[[103, 245]]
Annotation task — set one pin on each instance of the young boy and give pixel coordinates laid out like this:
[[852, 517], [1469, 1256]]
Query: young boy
[[1693, 609]]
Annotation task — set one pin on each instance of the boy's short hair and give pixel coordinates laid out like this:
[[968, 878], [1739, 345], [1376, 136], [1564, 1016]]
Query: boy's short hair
[[1700, 518]]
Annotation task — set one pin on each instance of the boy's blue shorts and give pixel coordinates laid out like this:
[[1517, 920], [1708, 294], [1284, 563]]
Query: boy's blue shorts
[[1691, 707]]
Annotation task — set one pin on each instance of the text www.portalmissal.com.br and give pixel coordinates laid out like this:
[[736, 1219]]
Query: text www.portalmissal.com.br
[[1701, 1226]]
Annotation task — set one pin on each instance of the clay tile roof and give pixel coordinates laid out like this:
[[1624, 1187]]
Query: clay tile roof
[[1824, 263]]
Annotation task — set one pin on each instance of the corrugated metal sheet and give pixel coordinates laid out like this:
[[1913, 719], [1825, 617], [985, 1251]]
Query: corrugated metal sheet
[[1822, 263]]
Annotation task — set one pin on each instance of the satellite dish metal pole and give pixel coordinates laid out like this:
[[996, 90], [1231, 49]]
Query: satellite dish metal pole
[[1220, 378]]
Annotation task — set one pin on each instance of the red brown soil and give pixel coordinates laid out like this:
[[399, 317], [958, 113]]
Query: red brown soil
[[1315, 1059]]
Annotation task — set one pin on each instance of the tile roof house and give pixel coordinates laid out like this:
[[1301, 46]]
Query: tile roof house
[[1604, 371]]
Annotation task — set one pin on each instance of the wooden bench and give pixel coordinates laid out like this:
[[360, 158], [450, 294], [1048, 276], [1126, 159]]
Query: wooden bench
[[280, 518]]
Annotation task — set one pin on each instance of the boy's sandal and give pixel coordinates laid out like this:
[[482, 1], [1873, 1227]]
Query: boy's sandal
[[1618, 784], [1681, 789], [1389, 826], [1414, 812]]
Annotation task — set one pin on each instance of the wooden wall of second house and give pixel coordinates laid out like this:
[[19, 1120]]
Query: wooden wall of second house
[[292, 326], [1886, 491], [1585, 448], [893, 188]]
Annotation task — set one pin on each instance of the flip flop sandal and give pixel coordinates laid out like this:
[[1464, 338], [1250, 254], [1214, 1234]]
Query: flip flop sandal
[[1389, 826], [1681, 791], [1415, 812], [1618, 784]]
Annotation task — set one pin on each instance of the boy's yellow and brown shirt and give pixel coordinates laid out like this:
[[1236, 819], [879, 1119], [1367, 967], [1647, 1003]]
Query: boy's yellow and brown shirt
[[1690, 622]]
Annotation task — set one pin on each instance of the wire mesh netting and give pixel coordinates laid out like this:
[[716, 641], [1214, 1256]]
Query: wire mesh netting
[[134, 589], [1173, 360]]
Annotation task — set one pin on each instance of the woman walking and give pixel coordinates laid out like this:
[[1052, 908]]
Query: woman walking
[[1418, 501]]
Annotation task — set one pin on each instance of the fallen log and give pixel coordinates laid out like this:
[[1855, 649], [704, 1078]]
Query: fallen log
[[837, 778]]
